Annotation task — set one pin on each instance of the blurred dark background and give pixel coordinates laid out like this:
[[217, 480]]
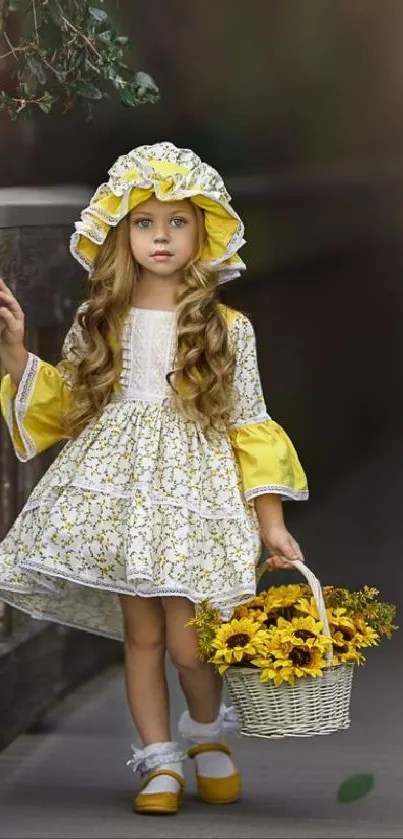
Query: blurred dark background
[[300, 107]]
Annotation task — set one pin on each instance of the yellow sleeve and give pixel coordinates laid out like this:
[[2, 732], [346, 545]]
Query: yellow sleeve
[[267, 460], [34, 410]]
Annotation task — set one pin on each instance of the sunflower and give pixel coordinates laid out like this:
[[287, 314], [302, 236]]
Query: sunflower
[[273, 669], [306, 661], [307, 607], [304, 631], [256, 602], [366, 636], [281, 597], [247, 611], [345, 652], [299, 632], [236, 641], [288, 663], [341, 624]]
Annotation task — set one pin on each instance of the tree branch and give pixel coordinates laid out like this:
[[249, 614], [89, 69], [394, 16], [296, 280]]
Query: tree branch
[[81, 35]]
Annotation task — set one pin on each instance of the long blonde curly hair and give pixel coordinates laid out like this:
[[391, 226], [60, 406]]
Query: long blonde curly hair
[[204, 361]]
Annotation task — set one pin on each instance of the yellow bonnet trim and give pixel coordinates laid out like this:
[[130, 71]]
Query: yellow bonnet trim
[[170, 174]]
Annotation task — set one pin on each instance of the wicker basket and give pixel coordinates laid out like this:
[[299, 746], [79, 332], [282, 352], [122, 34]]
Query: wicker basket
[[311, 706]]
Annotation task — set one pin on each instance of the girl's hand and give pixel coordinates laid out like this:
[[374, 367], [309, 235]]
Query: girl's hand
[[282, 546], [11, 320]]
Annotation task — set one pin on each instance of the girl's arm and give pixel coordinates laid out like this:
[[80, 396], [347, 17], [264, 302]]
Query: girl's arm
[[269, 467], [275, 536], [34, 395]]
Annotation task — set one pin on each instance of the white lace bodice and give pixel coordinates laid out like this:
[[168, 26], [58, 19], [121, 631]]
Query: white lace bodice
[[149, 341]]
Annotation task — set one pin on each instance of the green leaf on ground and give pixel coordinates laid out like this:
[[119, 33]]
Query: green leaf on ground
[[355, 787]]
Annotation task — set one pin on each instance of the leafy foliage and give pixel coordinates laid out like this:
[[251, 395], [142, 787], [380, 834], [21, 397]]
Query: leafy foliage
[[377, 614], [69, 52]]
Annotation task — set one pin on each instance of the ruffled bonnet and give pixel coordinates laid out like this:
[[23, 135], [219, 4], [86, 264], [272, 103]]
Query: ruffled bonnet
[[171, 174]]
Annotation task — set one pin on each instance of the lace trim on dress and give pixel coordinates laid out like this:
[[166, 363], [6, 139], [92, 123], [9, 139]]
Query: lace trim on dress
[[277, 489], [9, 416], [137, 396], [251, 421], [147, 355], [21, 403], [141, 586], [152, 498]]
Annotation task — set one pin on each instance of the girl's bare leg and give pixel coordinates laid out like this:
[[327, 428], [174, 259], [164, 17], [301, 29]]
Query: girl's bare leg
[[147, 693], [201, 684], [146, 685], [202, 688]]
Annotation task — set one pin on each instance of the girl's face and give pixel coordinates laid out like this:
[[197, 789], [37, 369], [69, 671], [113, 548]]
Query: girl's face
[[164, 236]]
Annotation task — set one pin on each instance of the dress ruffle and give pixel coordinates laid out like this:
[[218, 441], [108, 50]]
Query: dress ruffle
[[163, 517], [144, 501]]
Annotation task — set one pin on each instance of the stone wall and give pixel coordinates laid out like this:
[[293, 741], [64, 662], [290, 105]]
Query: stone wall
[[39, 661]]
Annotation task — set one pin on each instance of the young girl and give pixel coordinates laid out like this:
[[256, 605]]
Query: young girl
[[173, 471]]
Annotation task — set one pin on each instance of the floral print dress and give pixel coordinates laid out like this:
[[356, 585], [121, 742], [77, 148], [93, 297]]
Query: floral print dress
[[142, 502]]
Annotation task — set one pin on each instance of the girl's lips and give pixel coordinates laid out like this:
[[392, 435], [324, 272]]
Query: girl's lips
[[161, 257]]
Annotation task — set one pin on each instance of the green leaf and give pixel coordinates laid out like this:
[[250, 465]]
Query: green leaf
[[46, 102], [55, 12], [128, 94], [50, 37], [147, 90], [44, 107], [36, 69], [87, 90], [123, 40], [116, 80], [98, 14], [140, 90], [355, 787], [105, 36]]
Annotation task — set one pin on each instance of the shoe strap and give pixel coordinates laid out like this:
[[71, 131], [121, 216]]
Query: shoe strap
[[158, 772], [209, 747]]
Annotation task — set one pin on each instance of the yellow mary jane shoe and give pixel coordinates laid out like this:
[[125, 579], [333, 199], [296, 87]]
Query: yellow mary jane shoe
[[162, 803], [217, 790]]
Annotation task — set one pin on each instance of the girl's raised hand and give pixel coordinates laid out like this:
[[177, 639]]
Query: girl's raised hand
[[11, 319]]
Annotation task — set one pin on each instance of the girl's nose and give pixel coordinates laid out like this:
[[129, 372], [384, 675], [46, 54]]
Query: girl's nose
[[161, 233]]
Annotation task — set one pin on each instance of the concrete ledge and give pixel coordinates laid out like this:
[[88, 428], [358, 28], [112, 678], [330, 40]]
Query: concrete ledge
[[41, 206], [39, 664]]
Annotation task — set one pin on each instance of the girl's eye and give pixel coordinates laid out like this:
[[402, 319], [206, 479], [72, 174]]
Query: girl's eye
[[178, 221], [143, 223]]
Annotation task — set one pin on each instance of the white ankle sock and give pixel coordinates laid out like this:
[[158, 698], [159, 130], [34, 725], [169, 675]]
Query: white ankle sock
[[166, 755], [165, 783], [212, 764]]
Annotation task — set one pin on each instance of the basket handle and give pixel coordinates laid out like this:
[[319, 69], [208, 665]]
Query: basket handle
[[317, 593]]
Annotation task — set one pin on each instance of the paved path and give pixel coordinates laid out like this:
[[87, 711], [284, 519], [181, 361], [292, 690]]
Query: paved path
[[69, 780]]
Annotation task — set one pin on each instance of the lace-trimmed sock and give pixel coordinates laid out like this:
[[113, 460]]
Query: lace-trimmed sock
[[211, 764], [166, 755]]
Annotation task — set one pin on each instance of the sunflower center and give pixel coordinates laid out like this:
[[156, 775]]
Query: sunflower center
[[342, 648], [239, 640], [346, 632], [304, 634], [300, 658]]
